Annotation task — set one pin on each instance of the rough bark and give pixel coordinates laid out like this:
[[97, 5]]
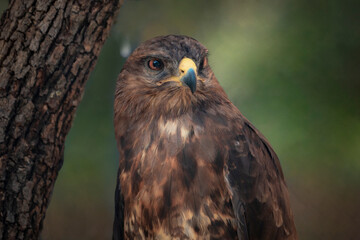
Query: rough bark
[[47, 50]]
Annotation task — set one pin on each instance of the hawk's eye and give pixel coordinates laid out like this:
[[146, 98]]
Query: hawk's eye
[[203, 63], [155, 64]]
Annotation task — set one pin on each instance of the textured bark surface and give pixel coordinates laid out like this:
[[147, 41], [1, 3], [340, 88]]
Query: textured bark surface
[[47, 50]]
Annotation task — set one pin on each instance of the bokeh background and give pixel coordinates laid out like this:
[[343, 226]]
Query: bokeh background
[[291, 67]]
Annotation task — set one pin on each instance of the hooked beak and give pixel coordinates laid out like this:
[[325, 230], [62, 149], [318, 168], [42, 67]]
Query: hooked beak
[[187, 69], [187, 74]]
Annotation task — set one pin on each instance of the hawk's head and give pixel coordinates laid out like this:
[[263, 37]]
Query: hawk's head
[[169, 75]]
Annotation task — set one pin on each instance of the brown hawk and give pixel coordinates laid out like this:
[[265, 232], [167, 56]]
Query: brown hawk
[[191, 165]]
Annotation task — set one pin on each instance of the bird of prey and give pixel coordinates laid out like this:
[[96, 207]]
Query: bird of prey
[[191, 165]]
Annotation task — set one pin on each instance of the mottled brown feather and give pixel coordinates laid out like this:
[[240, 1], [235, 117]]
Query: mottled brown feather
[[191, 166]]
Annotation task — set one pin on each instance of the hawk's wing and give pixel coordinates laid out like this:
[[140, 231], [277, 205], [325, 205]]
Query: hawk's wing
[[118, 229], [259, 194]]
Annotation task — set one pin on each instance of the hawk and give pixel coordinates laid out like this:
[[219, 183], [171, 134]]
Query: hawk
[[191, 165]]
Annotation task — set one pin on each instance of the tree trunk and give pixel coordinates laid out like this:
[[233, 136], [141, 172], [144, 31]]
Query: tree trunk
[[47, 51]]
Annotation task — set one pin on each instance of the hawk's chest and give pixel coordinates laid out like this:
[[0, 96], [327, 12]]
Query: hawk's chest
[[173, 184]]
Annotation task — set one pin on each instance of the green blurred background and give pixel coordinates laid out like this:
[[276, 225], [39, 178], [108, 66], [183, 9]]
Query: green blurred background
[[291, 67]]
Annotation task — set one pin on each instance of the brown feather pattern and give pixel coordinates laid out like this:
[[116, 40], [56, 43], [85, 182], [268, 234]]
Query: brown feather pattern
[[191, 166]]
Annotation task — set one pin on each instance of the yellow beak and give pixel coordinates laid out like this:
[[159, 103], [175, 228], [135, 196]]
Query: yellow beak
[[187, 74], [185, 65]]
